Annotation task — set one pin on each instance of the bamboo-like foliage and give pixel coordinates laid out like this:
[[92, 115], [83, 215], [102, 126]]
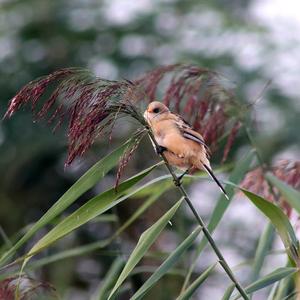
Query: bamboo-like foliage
[[90, 107]]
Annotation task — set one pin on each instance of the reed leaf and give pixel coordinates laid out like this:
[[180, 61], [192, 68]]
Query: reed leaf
[[144, 243]]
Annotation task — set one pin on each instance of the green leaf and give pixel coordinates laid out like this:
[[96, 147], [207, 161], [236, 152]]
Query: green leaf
[[82, 250], [269, 279], [279, 220], [84, 183], [264, 245], [283, 286], [292, 295], [169, 263], [187, 294], [228, 292], [88, 211], [141, 209], [146, 240], [291, 195], [273, 290], [110, 279]]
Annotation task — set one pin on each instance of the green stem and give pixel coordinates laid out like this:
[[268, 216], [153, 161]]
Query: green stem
[[205, 230]]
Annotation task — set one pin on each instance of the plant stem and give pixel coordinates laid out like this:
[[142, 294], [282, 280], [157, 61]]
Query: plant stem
[[205, 230]]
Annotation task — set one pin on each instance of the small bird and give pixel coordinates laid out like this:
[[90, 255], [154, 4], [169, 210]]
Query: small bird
[[181, 145]]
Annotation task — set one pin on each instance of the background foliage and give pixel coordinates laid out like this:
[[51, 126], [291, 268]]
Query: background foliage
[[123, 39]]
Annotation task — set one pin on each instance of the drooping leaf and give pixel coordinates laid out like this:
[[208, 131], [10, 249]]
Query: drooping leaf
[[144, 243], [85, 249], [83, 184], [169, 262], [88, 211], [279, 220]]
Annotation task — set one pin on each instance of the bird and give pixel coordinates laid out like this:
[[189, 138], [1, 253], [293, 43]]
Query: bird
[[181, 145]]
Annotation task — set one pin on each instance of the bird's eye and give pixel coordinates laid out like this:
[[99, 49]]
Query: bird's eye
[[156, 110]]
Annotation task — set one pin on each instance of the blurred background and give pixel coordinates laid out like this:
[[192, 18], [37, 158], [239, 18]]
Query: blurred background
[[250, 42]]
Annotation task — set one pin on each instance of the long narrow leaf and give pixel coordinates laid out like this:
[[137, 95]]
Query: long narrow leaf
[[292, 295], [140, 210], [279, 220], [84, 183], [283, 286], [82, 250], [273, 290], [264, 245], [169, 263], [228, 292], [194, 286], [144, 243], [291, 195], [269, 279], [110, 279], [88, 211]]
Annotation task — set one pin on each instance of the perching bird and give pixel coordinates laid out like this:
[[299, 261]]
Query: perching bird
[[182, 146]]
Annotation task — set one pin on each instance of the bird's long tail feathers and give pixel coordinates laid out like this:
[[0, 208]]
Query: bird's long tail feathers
[[212, 175]]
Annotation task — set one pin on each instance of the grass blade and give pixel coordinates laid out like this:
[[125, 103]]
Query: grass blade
[[85, 249], [279, 220], [292, 295], [144, 243], [83, 184], [88, 211], [264, 245], [169, 263], [110, 279], [269, 279], [194, 286], [291, 195], [273, 290], [283, 286], [228, 292]]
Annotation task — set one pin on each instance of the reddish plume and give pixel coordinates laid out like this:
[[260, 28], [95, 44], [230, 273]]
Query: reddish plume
[[199, 95], [28, 289], [91, 105]]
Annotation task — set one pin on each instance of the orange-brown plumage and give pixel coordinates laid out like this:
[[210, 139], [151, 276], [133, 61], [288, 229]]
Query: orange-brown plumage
[[183, 147]]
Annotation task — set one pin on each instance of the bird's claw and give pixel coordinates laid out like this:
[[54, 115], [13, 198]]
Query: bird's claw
[[160, 149], [177, 181]]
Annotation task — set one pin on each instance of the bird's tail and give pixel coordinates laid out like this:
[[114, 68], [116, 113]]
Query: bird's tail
[[212, 175]]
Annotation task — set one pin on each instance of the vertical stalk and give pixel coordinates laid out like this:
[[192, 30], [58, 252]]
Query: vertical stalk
[[205, 230]]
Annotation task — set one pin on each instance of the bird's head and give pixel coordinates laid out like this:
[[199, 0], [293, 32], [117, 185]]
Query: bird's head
[[155, 111]]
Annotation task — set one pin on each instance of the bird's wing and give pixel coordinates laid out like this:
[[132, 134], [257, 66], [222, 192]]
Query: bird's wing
[[189, 133]]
